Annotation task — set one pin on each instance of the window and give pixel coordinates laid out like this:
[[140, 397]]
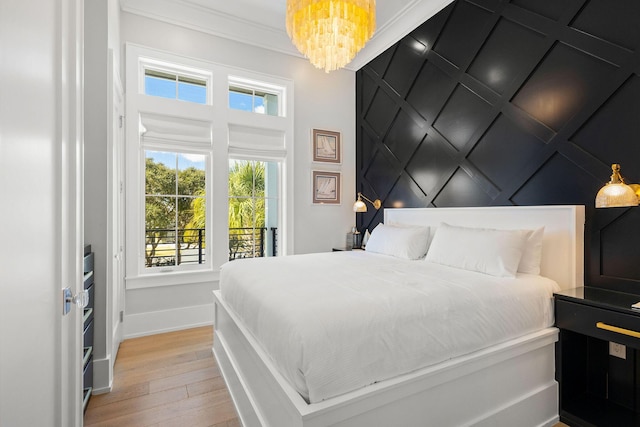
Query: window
[[256, 97], [175, 86], [253, 208], [175, 209], [178, 162]]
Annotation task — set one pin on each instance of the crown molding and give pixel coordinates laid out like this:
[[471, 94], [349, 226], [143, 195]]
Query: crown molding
[[414, 14], [206, 20], [203, 19]]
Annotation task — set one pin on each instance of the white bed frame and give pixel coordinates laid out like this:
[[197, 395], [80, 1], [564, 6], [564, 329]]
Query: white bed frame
[[509, 384]]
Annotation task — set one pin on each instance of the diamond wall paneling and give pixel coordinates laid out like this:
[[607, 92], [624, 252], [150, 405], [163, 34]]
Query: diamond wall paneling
[[521, 102]]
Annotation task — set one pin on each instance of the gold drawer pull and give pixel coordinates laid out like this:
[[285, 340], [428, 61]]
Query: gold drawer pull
[[618, 330]]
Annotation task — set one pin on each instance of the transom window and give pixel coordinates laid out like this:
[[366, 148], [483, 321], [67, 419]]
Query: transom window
[[175, 86], [247, 99], [256, 97]]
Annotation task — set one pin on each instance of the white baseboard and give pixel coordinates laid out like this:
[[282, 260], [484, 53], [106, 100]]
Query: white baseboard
[[102, 381], [157, 322]]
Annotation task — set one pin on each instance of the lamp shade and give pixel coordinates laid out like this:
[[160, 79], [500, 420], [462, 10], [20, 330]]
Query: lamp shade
[[359, 206], [616, 193], [330, 32]]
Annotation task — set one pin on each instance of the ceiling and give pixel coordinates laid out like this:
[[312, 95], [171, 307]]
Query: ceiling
[[261, 22]]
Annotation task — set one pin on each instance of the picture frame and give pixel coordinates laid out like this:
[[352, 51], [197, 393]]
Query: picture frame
[[326, 187], [327, 146]]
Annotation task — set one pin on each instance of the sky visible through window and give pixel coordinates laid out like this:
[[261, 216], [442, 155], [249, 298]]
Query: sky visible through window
[[173, 87], [244, 102], [166, 88], [185, 160]]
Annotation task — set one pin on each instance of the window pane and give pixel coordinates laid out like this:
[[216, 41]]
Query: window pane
[[258, 105], [191, 214], [160, 236], [191, 174], [160, 86], [160, 172], [192, 92], [271, 104], [240, 99], [193, 235], [173, 86], [241, 177], [241, 230], [253, 208], [175, 208]]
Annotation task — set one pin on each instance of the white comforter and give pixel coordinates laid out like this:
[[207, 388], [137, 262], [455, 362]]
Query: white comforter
[[335, 322]]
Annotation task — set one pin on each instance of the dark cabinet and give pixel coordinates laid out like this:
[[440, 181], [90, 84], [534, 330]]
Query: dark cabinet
[[598, 358], [87, 328]]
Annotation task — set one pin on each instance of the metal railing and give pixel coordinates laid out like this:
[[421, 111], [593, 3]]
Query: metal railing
[[251, 242], [166, 247]]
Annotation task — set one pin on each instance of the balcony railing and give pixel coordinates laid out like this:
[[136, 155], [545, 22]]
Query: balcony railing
[[165, 247]]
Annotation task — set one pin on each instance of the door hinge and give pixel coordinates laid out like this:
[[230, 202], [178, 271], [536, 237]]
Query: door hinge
[[121, 122], [121, 316]]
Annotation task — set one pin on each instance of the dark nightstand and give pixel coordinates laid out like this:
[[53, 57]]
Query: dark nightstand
[[596, 387]]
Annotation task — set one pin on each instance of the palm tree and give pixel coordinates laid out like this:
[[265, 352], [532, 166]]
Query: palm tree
[[246, 204]]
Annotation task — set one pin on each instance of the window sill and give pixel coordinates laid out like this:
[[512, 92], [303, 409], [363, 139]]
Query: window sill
[[172, 279]]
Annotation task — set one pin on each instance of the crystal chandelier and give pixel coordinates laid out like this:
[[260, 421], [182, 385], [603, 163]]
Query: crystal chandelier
[[330, 32]]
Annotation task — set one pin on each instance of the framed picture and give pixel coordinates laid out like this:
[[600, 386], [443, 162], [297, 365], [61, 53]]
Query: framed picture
[[326, 187], [326, 146]]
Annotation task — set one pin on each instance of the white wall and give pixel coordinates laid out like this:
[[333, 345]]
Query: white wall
[[101, 34], [325, 101]]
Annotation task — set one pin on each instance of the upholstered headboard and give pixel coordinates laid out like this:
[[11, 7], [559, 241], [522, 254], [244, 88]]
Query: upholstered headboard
[[562, 244]]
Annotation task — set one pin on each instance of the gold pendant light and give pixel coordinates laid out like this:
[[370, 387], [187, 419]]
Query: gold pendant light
[[330, 32]]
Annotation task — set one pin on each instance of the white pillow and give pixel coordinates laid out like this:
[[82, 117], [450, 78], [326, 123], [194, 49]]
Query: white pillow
[[489, 251], [406, 242], [532, 253]]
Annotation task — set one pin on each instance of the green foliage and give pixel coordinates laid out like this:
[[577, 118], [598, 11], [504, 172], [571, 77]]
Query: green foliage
[[165, 210], [246, 194], [246, 205]]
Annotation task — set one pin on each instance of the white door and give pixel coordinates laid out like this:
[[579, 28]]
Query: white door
[[41, 211], [117, 216], [71, 211]]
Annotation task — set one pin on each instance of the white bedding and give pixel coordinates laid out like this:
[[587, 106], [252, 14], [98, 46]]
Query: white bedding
[[335, 322]]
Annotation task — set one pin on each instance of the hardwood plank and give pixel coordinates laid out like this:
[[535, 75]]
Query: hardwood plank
[[182, 379], [135, 405], [224, 411], [119, 394], [165, 380], [146, 375], [202, 387], [201, 417]]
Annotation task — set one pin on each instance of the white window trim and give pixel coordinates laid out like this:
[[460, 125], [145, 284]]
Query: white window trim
[[217, 112]]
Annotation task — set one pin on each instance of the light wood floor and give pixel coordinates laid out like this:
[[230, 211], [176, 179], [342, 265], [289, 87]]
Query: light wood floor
[[165, 380]]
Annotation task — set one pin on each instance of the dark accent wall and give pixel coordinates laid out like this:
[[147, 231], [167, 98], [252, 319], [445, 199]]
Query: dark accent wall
[[522, 102]]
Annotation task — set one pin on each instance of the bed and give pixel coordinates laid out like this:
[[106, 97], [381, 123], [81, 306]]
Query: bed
[[452, 386]]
